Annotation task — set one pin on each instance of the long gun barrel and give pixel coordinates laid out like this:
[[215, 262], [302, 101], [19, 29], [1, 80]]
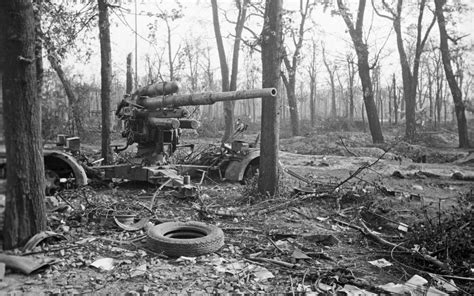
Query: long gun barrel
[[207, 98]]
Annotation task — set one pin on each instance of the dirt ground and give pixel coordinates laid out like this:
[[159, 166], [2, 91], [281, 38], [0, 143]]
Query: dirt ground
[[312, 242]]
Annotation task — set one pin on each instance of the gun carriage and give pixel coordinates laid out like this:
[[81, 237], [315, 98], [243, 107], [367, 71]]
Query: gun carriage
[[153, 118]]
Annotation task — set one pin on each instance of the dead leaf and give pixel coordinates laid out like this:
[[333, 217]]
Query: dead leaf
[[381, 263], [104, 264], [298, 254], [231, 268], [138, 271], [351, 290], [261, 273]]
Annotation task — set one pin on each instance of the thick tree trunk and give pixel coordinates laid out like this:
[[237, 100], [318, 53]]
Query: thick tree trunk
[[271, 61], [25, 209], [106, 79], [39, 50], [364, 69], [459, 107]]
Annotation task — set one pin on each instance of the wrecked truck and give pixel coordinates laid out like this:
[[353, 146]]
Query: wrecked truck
[[61, 168]]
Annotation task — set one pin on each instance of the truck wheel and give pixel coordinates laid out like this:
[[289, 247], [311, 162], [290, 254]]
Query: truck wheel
[[191, 239], [250, 171]]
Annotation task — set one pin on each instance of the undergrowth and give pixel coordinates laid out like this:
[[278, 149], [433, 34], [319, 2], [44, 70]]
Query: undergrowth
[[251, 194], [448, 235]]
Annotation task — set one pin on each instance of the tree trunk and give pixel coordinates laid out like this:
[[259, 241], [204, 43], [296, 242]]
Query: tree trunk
[[290, 84], [351, 72], [364, 69], [39, 50], [271, 61], [395, 99], [228, 106], [333, 113], [71, 96], [129, 75], [170, 56], [106, 79], [459, 107], [312, 98], [25, 209]]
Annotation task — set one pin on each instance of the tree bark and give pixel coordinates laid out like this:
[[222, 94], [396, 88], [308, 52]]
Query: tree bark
[[25, 209], [129, 75], [290, 84], [70, 94], [364, 69], [459, 107], [106, 79], [38, 49], [313, 90], [271, 60], [351, 72], [395, 99]]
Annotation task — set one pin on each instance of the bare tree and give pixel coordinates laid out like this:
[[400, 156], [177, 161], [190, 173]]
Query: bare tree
[[24, 208], [289, 78], [409, 76], [232, 85], [106, 79], [362, 51], [192, 52], [351, 76], [169, 17], [331, 71], [271, 62], [450, 77], [312, 72], [77, 125]]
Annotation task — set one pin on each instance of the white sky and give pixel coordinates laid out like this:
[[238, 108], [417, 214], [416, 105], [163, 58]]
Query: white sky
[[197, 23]]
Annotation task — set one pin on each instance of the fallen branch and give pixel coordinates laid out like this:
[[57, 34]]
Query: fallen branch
[[347, 149], [152, 202], [274, 261], [240, 228], [359, 170]]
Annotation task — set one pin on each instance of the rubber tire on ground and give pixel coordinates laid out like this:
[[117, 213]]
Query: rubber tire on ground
[[211, 241]]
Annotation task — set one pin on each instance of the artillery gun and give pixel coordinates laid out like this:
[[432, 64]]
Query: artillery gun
[[154, 117]]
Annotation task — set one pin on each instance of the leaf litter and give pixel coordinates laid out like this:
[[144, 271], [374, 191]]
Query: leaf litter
[[311, 242]]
